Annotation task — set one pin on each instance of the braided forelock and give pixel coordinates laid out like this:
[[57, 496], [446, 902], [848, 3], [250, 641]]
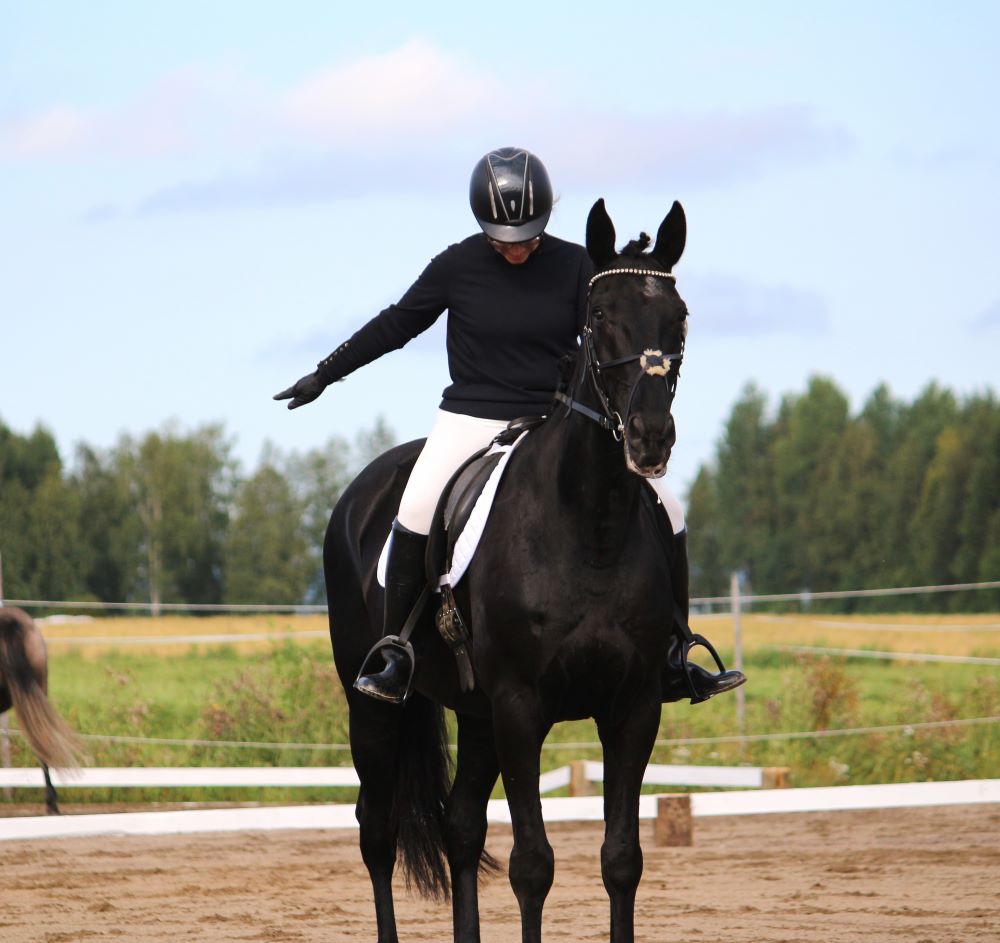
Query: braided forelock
[[636, 247]]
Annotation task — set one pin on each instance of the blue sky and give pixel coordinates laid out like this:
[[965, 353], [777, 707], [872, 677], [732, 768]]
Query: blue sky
[[201, 200]]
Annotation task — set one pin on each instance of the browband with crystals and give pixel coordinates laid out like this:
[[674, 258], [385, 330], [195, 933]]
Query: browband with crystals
[[630, 271]]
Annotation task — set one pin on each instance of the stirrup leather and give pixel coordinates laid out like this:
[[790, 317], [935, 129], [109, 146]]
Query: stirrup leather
[[453, 630]]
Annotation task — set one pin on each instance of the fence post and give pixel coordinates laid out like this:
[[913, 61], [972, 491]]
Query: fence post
[[579, 785], [775, 777], [672, 825], [741, 703]]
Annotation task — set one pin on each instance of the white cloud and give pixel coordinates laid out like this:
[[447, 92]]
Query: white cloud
[[408, 119], [56, 130], [181, 112], [417, 87], [408, 95]]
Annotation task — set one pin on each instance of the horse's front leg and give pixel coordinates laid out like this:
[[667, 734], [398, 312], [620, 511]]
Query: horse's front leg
[[627, 743], [465, 820], [520, 731]]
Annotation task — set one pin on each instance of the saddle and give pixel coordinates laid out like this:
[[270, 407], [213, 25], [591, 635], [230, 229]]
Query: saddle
[[458, 523]]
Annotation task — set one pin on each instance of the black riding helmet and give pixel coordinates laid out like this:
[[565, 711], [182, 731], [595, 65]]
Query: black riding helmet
[[510, 194]]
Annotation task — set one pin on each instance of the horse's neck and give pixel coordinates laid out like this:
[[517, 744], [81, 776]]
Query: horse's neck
[[593, 481]]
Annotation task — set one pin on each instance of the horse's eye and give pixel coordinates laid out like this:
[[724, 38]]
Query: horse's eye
[[597, 314]]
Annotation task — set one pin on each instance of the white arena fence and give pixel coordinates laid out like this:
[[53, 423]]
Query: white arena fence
[[575, 776], [584, 809]]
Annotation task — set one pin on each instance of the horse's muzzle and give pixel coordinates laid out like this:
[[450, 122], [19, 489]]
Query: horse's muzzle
[[648, 445]]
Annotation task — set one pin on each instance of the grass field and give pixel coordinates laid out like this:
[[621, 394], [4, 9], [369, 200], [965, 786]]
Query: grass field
[[270, 680]]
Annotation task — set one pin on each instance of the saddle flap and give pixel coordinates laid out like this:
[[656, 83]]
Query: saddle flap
[[466, 491]]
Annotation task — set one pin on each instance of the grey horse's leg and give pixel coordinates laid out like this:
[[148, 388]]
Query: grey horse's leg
[[51, 799]]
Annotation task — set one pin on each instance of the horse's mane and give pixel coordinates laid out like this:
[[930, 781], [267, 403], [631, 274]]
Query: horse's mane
[[636, 247]]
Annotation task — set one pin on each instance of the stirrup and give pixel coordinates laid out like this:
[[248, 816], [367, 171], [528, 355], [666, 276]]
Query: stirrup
[[397, 644], [686, 644]]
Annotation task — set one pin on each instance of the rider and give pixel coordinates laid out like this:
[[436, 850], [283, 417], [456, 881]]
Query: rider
[[516, 298]]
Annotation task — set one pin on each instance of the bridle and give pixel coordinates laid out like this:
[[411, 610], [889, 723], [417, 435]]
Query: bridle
[[653, 363]]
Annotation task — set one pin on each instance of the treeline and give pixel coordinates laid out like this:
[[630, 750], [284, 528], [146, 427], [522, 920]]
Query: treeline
[[812, 498], [804, 498], [170, 517]]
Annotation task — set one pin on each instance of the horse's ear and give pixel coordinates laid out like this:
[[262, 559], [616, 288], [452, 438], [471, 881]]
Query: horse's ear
[[600, 235], [670, 237]]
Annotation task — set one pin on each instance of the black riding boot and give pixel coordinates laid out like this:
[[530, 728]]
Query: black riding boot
[[675, 678], [405, 578]]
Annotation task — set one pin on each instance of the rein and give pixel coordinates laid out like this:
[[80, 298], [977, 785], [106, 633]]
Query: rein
[[653, 363]]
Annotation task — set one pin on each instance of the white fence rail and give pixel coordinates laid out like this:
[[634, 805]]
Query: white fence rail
[[573, 776], [587, 809]]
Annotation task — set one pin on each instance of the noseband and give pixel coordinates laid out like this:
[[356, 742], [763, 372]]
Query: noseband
[[653, 363]]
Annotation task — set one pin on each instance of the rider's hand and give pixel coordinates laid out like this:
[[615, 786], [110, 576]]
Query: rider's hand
[[303, 391]]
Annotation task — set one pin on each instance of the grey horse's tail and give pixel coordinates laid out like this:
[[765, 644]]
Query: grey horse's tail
[[48, 734]]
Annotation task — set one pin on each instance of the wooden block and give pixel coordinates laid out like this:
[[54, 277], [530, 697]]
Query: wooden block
[[579, 785], [673, 820], [775, 777]]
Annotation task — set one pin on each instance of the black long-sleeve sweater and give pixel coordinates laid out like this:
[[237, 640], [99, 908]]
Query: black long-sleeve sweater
[[508, 325]]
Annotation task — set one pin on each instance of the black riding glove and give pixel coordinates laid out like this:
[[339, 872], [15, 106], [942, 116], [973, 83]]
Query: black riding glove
[[330, 370], [303, 391]]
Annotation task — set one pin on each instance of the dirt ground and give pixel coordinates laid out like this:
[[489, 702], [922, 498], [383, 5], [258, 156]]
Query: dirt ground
[[919, 876]]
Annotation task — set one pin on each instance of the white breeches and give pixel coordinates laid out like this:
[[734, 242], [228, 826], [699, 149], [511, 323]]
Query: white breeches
[[453, 438]]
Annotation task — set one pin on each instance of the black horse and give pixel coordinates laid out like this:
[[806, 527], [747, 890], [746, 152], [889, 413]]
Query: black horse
[[568, 601], [24, 672]]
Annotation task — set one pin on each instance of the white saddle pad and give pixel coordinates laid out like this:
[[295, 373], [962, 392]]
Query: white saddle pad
[[468, 540]]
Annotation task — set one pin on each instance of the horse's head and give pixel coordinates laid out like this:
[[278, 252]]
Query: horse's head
[[634, 336]]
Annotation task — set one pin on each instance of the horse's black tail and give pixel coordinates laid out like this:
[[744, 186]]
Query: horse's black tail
[[51, 738], [422, 784]]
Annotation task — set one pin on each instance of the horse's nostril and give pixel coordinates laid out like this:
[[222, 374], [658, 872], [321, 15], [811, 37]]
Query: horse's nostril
[[636, 425]]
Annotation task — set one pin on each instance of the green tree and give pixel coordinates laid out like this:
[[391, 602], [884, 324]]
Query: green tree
[[744, 491], [815, 498], [180, 487], [110, 530], [267, 556], [807, 436], [708, 573], [981, 501], [931, 413], [39, 536]]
